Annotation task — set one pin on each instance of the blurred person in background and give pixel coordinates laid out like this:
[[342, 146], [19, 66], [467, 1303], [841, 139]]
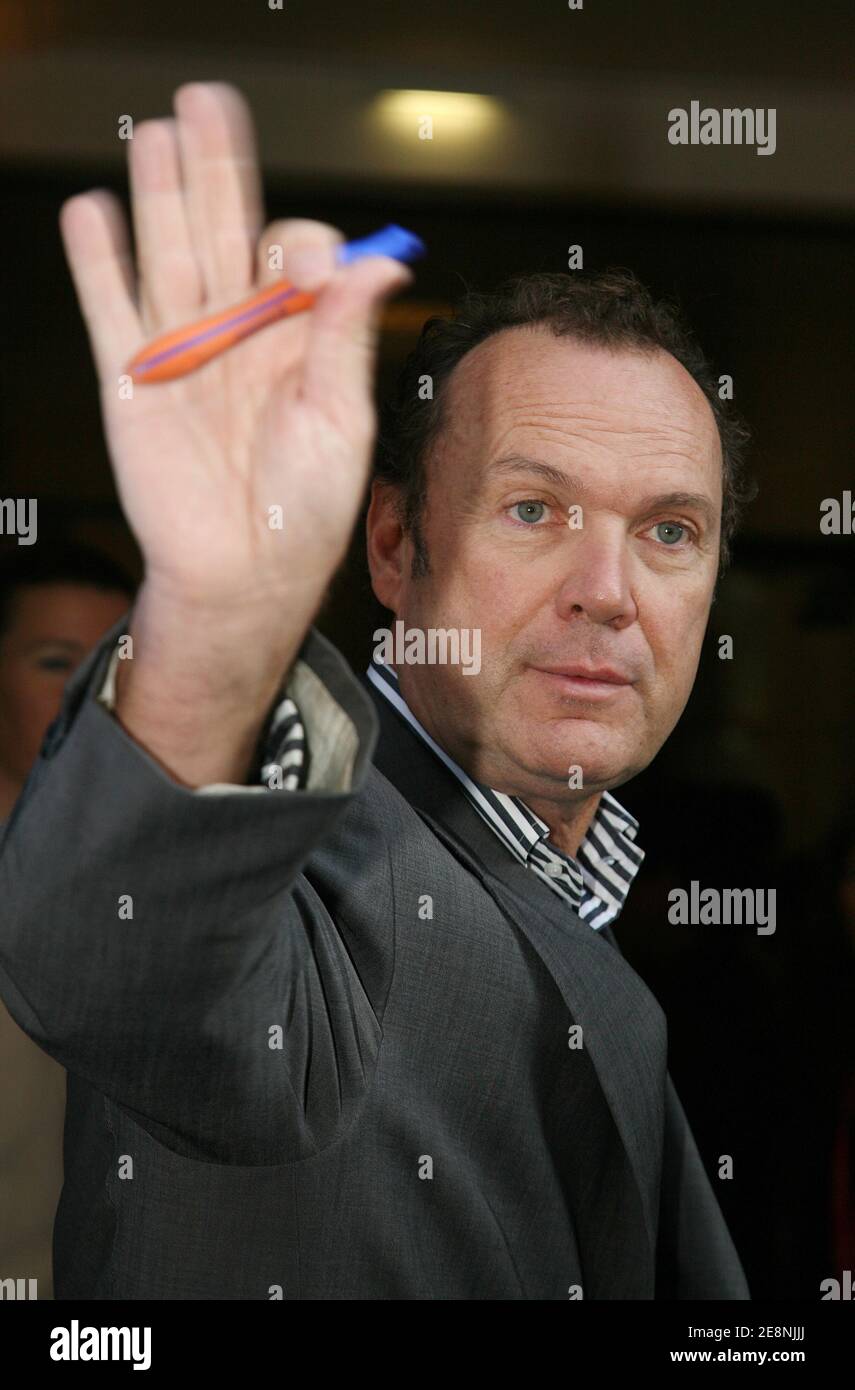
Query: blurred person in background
[[56, 603]]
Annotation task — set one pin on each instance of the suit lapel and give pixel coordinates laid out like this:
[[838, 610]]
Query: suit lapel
[[623, 1034]]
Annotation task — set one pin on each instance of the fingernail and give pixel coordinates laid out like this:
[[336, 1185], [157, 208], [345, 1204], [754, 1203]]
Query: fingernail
[[310, 266]]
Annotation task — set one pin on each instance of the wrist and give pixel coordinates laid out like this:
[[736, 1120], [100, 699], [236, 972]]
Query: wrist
[[217, 647], [199, 684]]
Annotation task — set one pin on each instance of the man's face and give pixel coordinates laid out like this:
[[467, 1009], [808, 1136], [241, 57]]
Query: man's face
[[631, 441], [52, 628]]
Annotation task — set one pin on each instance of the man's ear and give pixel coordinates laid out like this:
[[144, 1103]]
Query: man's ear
[[387, 545]]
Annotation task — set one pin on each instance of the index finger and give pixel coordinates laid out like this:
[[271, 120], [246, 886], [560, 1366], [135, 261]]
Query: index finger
[[97, 247]]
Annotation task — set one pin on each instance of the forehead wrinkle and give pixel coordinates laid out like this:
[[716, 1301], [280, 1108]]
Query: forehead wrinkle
[[480, 397], [574, 441], [606, 422]]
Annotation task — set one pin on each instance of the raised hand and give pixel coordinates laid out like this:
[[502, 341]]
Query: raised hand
[[285, 418]]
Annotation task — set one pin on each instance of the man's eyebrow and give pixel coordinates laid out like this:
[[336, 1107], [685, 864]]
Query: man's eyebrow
[[516, 463], [694, 501], [54, 642], [697, 501]]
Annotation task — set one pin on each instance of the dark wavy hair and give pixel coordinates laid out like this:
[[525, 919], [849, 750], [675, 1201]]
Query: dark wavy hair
[[56, 562], [610, 309]]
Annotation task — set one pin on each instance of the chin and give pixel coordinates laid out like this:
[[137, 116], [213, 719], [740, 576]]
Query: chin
[[603, 760]]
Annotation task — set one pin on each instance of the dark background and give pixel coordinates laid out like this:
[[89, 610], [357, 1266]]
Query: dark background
[[752, 788]]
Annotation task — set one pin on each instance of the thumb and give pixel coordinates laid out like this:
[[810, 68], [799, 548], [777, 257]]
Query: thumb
[[341, 350]]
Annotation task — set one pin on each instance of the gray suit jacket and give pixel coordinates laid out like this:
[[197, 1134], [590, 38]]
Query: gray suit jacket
[[328, 1054]]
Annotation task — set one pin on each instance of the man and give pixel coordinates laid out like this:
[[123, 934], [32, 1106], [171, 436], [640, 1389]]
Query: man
[[338, 1029], [56, 603]]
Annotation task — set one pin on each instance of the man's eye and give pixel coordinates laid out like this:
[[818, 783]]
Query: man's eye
[[667, 532], [56, 663], [529, 511]]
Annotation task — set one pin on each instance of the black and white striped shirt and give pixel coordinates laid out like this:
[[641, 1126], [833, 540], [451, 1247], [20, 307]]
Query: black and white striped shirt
[[595, 883]]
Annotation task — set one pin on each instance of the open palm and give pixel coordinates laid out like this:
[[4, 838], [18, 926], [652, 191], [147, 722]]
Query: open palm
[[283, 420]]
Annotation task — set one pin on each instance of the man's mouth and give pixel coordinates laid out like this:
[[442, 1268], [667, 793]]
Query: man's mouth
[[585, 682]]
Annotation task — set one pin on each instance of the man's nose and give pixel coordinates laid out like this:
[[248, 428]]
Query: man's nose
[[595, 577]]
